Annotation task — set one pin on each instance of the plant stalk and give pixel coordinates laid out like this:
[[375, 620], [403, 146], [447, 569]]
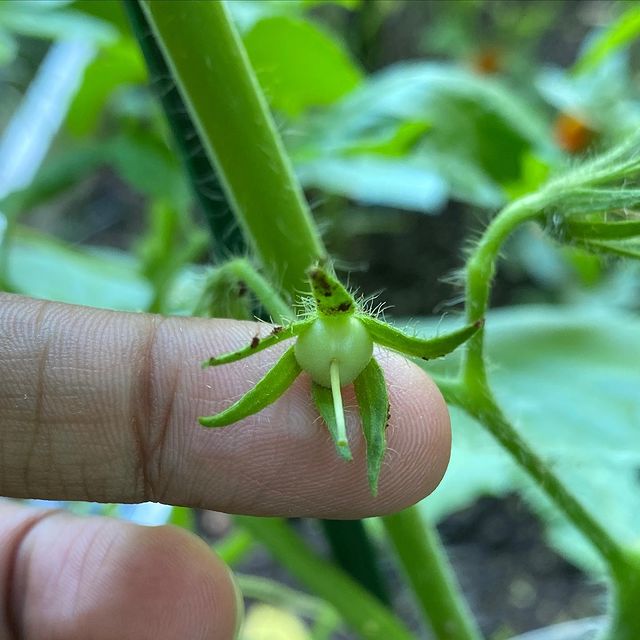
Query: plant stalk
[[214, 76], [474, 394], [358, 608], [425, 563]]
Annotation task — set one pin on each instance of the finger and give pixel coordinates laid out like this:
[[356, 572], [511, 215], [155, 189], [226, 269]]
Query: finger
[[98, 405], [67, 578]]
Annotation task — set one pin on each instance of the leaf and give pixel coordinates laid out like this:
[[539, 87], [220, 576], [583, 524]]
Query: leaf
[[600, 230], [278, 379], [49, 20], [117, 65], [387, 336], [620, 248], [373, 401], [323, 399], [183, 517], [618, 34], [465, 116], [277, 334], [42, 267], [391, 182], [568, 378], [298, 64]]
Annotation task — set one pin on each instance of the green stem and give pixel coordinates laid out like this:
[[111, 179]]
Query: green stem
[[266, 295], [625, 621], [488, 413], [358, 608], [480, 270], [218, 85], [225, 236], [424, 561], [279, 595], [234, 547], [475, 395]]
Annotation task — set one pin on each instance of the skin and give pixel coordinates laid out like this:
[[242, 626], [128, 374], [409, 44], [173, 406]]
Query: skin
[[103, 406]]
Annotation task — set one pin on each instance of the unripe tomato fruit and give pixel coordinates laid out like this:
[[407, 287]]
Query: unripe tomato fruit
[[341, 338]]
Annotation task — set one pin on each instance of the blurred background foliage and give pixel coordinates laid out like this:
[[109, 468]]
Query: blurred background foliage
[[409, 124]]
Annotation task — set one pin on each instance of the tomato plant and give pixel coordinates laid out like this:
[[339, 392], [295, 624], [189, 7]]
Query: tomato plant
[[258, 108]]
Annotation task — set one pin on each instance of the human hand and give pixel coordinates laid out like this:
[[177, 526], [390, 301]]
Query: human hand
[[103, 406]]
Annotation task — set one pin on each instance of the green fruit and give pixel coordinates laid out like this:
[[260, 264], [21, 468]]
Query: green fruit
[[341, 339]]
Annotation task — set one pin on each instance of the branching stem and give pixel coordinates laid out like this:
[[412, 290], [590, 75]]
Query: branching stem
[[474, 394]]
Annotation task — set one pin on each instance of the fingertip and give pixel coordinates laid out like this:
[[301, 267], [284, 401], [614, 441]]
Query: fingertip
[[104, 578], [282, 460], [418, 436]]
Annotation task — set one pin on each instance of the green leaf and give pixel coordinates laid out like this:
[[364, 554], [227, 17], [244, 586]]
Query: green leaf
[[323, 399], [465, 116], [621, 248], [373, 401], [595, 230], [568, 378], [277, 334], [618, 34], [49, 20], [392, 338], [375, 180], [42, 267], [183, 517], [279, 378], [298, 64], [120, 64]]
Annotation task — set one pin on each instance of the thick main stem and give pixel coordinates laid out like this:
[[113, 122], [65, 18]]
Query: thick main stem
[[426, 565], [357, 607], [218, 85]]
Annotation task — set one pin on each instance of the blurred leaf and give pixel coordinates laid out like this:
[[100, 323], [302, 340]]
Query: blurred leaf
[[602, 98], [569, 380], [246, 13], [392, 182], [42, 267], [622, 248], [394, 141], [298, 64], [47, 19], [183, 517], [170, 242], [618, 34], [465, 114], [138, 157], [117, 65], [264, 622], [106, 10], [8, 47]]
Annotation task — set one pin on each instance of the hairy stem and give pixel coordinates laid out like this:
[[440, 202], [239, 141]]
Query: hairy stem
[[425, 563], [225, 236], [474, 393], [488, 413], [266, 295], [358, 608], [215, 79]]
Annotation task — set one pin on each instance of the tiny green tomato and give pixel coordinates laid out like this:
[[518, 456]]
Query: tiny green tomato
[[334, 345], [339, 339]]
